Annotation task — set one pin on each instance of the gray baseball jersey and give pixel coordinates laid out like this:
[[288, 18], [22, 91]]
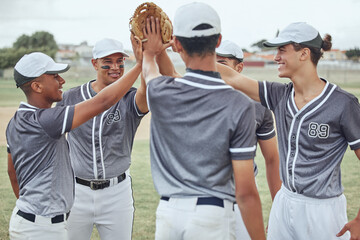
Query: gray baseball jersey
[[101, 147], [198, 125], [40, 154], [264, 126], [313, 140]]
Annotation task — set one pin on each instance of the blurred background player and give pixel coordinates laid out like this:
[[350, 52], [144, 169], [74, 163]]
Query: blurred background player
[[100, 150], [230, 54]]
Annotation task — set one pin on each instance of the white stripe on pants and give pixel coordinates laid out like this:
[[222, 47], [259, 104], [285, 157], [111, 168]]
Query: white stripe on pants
[[294, 216]]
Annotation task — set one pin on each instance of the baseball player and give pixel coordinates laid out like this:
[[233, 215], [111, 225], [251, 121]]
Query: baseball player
[[230, 54], [38, 155], [100, 150], [316, 121], [202, 136]]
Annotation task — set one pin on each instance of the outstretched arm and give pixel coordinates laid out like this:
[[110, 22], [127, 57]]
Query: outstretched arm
[[12, 176], [165, 65], [354, 225], [238, 81], [247, 198], [107, 96]]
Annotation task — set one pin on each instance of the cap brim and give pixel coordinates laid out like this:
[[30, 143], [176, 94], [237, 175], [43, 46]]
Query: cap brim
[[111, 52], [58, 68], [277, 42]]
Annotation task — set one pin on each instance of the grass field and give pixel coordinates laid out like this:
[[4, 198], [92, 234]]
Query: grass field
[[146, 198]]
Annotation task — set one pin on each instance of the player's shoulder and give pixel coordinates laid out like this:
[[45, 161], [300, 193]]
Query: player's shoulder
[[344, 96]]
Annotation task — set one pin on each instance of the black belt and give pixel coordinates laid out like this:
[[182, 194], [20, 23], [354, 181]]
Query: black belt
[[204, 201], [31, 217], [98, 184]]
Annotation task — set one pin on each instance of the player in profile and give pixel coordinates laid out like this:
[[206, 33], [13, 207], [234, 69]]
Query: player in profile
[[316, 122]]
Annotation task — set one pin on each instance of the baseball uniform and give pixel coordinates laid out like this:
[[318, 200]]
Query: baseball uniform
[[40, 154], [312, 143], [100, 152], [199, 125], [264, 131]]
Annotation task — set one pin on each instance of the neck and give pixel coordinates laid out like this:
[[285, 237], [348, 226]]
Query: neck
[[207, 63], [39, 103], [97, 85]]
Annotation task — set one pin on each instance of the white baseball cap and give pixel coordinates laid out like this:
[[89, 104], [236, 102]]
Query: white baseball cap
[[230, 50], [298, 32], [33, 65], [189, 17], [106, 47]]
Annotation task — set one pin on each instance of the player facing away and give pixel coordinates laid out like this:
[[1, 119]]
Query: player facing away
[[230, 54], [316, 122], [38, 154], [100, 150], [202, 136]]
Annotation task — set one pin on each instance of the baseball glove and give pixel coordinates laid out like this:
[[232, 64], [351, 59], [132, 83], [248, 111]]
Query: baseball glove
[[145, 10]]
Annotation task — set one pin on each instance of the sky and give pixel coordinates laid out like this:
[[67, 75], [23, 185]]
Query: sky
[[243, 22]]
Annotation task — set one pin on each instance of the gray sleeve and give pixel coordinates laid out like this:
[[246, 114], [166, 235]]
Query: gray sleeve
[[130, 98], [270, 93], [350, 123], [243, 141], [57, 120], [266, 129]]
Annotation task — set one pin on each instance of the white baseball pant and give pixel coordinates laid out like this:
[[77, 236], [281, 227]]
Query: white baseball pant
[[294, 216], [40, 229], [110, 209]]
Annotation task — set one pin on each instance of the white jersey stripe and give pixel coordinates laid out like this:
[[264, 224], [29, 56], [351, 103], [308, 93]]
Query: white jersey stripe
[[203, 77], [82, 91], [241, 150], [93, 148], [265, 134], [135, 106], [65, 120], [100, 144], [289, 108], [203, 86], [26, 109], [88, 90], [266, 96], [147, 98], [354, 142]]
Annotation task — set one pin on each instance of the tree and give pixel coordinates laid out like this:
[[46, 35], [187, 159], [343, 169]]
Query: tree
[[38, 42], [353, 54]]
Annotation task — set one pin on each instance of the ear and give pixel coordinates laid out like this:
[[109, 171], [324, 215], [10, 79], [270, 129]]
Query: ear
[[95, 64], [178, 45], [239, 67], [219, 40], [36, 86], [305, 54]]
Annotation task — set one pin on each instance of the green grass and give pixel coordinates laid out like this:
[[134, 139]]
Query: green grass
[[146, 198]]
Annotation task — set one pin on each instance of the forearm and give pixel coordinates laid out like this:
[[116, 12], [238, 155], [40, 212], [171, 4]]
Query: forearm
[[150, 69], [240, 82], [12, 176], [250, 208], [140, 99], [166, 67], [273, 177], [105, 98]]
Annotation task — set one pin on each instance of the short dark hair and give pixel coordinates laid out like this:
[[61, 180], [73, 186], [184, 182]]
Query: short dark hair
[[316, 53], [201, 46]]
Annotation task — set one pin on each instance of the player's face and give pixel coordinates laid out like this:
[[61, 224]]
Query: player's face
[[52, 85], [288, 61], [226, 61], [110, 68]]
